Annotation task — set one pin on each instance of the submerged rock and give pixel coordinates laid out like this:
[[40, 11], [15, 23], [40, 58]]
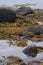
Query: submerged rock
[[7, 15], [33, 62], [36, 29], [24, 11]]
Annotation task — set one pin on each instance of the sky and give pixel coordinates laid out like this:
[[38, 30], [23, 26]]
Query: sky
[[39, 3]]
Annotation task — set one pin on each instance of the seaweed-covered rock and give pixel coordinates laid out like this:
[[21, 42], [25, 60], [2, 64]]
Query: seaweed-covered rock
[[13, 60], [24, 11], [36, 29], [7, 15], [31, 51]]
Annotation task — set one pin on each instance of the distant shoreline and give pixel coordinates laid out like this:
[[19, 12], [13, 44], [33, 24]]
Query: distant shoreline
[[7, 6]]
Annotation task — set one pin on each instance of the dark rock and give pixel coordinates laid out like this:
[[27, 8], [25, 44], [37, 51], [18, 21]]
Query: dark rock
[[23, 64], [36, 29], [24, 11], [37, 36], [31, 51], [7, 15]]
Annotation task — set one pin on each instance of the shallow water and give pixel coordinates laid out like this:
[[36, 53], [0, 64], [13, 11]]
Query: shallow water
[[6, 50], [36, 43]]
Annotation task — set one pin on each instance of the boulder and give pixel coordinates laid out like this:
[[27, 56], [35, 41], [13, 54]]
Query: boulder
[[36, 29], [24, 11], [7, 15], [31, 50]]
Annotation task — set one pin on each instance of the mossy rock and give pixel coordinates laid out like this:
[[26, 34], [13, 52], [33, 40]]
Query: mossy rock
[[15, 60], [37, 39], [30, 34], [21, 43]]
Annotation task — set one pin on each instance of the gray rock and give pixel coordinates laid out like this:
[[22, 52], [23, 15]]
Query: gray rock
[[24, 11], [36, 29], [31, 51]]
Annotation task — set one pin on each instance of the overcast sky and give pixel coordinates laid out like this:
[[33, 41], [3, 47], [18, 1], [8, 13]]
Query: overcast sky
[[12, 2]]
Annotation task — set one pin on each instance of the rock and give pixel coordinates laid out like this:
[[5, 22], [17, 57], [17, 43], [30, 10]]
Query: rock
[[24, 11], [7, 15], [22, 37], [23, 64], [36, 29], [31, 51], [33, 62]]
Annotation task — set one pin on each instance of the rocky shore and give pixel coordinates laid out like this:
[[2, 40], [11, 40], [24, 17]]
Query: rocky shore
[[19, 26]]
